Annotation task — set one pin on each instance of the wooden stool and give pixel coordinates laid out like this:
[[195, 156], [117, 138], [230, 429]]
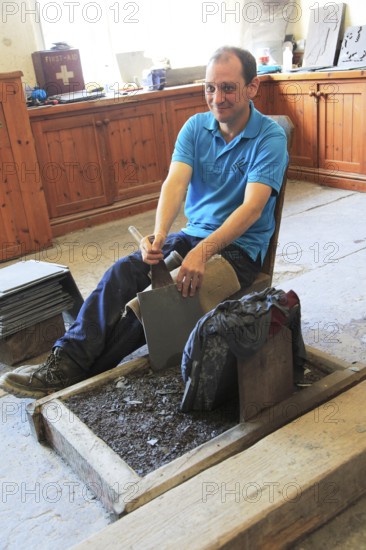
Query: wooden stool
[[267, 377]]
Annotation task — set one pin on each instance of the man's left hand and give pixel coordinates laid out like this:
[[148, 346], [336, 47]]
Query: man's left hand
[[191, 273]]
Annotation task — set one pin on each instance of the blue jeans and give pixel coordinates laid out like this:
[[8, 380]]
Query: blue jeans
[[102, 335]]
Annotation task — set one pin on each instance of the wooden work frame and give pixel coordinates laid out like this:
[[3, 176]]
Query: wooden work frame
[[118, 486]]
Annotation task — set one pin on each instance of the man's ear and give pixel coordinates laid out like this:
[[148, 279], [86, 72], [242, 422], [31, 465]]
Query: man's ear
[[252, 88]]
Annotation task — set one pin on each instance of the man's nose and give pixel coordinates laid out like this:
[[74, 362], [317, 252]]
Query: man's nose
[[218, 96]]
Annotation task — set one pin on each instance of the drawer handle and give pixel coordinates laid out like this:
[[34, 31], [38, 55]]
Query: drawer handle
[[317, 94], [98, 123], [106, 121]]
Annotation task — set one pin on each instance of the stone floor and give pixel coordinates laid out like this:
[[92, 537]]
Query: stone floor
[[321, 256]]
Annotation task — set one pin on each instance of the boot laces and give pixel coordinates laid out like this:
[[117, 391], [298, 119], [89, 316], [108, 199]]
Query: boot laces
[[53, 373]]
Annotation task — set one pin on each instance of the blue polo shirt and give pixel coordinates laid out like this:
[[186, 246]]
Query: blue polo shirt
[[222, 170]]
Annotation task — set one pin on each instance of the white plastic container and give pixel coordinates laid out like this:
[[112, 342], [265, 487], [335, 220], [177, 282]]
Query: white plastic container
[[287, 60]]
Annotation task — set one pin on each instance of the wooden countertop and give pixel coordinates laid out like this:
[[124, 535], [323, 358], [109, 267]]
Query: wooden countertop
[[135, 96], [314, 75], [103, 103], [11, 76]]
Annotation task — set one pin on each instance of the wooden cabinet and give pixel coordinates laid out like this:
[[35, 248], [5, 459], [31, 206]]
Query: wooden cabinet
[[24, 222], [328, 112], [97, 159], [100, 162], [105, 159]]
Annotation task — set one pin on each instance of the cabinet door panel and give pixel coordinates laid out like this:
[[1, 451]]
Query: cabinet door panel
[[137, 150], [263, 101], [71, 164], [294, 100], [342, 123], [179, 111]]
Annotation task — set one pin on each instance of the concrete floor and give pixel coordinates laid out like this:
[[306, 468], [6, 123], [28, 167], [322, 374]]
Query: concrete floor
[[321, 256]]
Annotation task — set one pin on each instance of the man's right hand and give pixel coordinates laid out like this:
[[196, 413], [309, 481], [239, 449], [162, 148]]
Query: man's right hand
[[151, 248]]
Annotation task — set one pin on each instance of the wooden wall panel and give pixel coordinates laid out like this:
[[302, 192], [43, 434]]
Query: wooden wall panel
[[25, 223]]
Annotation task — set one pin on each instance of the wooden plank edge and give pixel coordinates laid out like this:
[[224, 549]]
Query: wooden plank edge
[[325, 362], [115, 207], [351, 181], [66, 224], [319, 505], [103, 471], [258, 498], [34, 409]]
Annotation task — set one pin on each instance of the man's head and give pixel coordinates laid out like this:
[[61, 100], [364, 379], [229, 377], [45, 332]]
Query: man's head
[[247, 60], [231, 82]]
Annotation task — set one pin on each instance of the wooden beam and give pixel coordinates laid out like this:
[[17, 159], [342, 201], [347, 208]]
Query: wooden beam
[[103, 471], [268, 496], [325, 362]]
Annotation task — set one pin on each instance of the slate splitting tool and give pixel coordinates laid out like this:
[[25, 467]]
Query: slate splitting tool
[[167, 317]]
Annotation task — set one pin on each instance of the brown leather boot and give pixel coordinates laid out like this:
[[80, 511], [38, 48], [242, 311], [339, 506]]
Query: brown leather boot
[[57, 372]]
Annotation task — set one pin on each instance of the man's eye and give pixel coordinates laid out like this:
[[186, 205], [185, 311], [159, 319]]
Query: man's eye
[[228, 88], [210, 89]]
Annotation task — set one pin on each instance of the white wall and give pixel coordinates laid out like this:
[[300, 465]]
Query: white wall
[[20, 33], [20, 36]]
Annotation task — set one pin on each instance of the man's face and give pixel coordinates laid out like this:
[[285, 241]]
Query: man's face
[[226, 93]]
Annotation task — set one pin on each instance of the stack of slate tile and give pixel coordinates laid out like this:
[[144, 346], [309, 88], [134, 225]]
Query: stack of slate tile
[[33, 298]]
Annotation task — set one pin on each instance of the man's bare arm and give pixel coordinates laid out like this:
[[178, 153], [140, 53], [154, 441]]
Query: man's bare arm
[[172, 195]]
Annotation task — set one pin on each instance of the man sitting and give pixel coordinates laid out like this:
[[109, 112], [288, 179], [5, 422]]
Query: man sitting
[[228, 166]]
